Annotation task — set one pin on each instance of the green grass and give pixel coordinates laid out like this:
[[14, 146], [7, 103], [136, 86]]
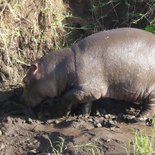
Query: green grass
[[142, 143], [134, 13], [59, 146]]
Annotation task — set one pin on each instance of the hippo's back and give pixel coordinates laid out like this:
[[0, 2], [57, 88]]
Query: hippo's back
[[117, 40], [118, 63]]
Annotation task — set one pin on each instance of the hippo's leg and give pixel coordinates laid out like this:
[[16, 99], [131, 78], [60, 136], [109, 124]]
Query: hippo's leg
[[76, 97], [84, 108], [148, 106], [151, 109]]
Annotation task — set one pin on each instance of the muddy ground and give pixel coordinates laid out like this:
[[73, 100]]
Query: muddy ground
[[35, 132]]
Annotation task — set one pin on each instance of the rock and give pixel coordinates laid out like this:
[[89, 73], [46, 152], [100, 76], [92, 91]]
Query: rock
[[56, 121], [29, 121], [8, 120], [0, 133], [98, 125], [32, 152], [2, 146]]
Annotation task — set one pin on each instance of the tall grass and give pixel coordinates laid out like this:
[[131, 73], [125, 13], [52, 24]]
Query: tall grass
[[28, 29]]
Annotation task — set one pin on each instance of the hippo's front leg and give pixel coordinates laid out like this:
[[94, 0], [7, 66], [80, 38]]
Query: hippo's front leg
[[76, 98], [84, 108]]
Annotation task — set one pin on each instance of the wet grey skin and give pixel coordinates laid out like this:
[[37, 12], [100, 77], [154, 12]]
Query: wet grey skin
[[117, 64]]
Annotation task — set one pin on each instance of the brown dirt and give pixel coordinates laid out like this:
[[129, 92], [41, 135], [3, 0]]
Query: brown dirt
[[21, 136], [24, 134]]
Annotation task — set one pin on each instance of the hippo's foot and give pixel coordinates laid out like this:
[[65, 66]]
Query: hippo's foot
[[83, 109], [30, 112], [77, 102], [147, 113], [148, 107]]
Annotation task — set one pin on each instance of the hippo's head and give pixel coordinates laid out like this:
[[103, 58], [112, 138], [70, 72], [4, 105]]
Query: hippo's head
[[39, 83]]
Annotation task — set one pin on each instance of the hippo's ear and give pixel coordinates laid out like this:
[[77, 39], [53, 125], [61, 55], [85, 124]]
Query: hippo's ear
[[36, 70]]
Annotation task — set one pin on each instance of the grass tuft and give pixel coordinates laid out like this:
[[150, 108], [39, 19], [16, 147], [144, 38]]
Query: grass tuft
[[142, 144]]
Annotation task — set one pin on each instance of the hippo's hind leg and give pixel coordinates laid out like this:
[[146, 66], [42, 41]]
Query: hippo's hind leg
[[148, 106], [152, 103], [76, 98]]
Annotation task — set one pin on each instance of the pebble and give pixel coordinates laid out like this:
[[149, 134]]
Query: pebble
[[111, 122], [98, 125], [49, 121], [35, 141], [0, 133], [32, 152], [16, 120], [129, 118], [107, 116], [90, 120], [149, 122], [8, 119], [95, 119], [80, 116], [86, 116], [23, 121], [98, 113], [57, 122], [2, 146], [29, 121]]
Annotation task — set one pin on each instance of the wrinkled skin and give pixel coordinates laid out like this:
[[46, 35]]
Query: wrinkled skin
[[117, 64]]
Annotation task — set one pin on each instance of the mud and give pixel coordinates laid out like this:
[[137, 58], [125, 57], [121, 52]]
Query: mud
[[36, 133]]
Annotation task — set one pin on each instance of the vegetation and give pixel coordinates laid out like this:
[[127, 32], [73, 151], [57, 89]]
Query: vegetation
[[58, 147], [142, 143], [93, 149], [28, 29]]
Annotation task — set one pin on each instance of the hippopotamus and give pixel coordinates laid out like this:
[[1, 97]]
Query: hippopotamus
[[117, 64]]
